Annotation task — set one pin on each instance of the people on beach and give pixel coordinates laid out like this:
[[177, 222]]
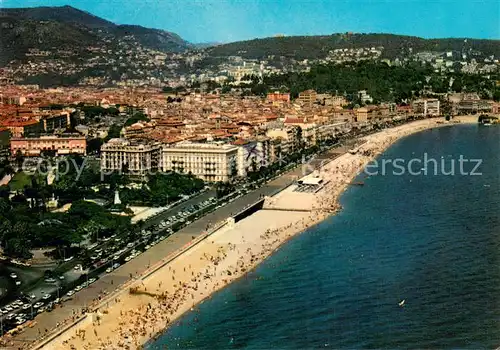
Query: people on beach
[[183, 283]]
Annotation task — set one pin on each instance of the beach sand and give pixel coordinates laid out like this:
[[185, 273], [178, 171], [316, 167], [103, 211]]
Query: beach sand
[[130, 320]]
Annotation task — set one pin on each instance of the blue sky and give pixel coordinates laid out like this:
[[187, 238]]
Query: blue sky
[[232, 20]]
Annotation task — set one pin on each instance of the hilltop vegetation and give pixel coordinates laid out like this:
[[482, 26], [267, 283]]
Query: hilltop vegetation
[[381, 81], [67, 47], [17, 36], [310, 47]]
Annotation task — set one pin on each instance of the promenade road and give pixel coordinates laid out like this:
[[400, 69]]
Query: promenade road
[[110, 282]]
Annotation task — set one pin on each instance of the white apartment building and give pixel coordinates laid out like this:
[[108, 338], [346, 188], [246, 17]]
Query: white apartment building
[[211, 162], [329, 131], [252, 155], [284, 141], [427, 107], [136, 156]]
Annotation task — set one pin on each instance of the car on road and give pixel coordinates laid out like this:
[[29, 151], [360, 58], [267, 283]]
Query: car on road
[[13, 275], [37, 305], [116, 265], [11, 316], [26, 306], [92, 280], [70, 293], [18, 283], [20, 321], [68, 259], [46, 296], [50, 280], [109, 269], [130, 245], [78, 288]]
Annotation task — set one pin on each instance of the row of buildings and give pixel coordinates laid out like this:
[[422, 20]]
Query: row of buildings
[[212, 161], [205, 134]]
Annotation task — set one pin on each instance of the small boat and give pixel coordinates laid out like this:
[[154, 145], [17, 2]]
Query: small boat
[[402, 302]]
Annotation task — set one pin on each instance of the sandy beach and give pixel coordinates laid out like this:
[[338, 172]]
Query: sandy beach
[[150, 304]]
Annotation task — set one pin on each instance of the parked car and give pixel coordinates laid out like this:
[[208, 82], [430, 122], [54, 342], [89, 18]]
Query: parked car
[[20, 321]]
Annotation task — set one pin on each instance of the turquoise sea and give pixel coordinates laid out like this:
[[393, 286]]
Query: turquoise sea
[[432, 241]]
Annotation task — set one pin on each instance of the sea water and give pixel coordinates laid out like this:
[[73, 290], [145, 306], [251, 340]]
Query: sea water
[[432, 241]]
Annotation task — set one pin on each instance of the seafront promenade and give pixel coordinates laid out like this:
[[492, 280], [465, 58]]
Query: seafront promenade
[[228, 254], [46, 323], [230, 247]]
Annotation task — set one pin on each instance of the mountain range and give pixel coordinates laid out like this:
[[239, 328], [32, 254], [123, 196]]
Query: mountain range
[[46, 27], [78, 44]]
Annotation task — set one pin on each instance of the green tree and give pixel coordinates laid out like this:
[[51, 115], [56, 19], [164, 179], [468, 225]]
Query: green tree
[[113, 132], [137, 117], [18, 248], [94, 145]]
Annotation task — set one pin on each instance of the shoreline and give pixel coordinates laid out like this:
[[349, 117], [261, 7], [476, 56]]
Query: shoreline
[[150, 313]]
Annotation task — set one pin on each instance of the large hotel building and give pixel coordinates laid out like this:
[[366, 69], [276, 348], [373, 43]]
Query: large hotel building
[[138, 158], [211, 162], [58, 145]]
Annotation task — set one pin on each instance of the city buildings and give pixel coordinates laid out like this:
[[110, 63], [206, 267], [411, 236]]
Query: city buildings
[[427, 107], [21, 127], [284, 141], [4, 143], [278, 97], [307, 98], [470, 103], [252, 154], [54, 145], [51, 121], [211, 162], [135, 157]]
